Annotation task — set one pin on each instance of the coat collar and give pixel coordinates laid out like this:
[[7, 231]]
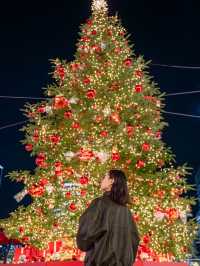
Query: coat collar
[[106, 193]]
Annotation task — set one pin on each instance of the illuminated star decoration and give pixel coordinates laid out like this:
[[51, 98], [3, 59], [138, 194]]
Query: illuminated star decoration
[[99, 5]]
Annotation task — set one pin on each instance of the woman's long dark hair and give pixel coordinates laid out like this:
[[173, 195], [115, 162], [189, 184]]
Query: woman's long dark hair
[[119, 191]]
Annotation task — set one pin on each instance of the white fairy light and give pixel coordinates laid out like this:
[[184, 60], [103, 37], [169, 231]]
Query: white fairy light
[[99, 5]]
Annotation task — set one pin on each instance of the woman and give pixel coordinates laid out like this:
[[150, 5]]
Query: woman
[[107, 231]]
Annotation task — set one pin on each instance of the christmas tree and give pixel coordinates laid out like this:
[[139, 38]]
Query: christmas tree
[[103, 111]]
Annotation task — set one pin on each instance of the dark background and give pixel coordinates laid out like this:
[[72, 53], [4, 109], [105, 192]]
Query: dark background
[[32, 32]]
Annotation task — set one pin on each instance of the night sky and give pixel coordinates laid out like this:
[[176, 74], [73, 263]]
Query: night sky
[[33, 32]]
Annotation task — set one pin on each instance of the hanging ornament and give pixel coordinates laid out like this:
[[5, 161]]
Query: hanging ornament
[[75, 66], [146, 147], [36, 135], [68, 194], [43, 182], [41, 109], [60, 71], [89, 22], [85, 155], [138, 88], [136, 217], [36, 190], [40, 161], [55, 138], [76, 125], [96, 48], [115, 118], [149, 131], [140, 164], [85, 39], [94, 32], [58, 165], [60, 102], [130, 130], [158, 135], [159, 193], [115, 156], [104, 133], [68, 114], [98, 118], [84, 180], [83, 192], [172, 213], [86, 80], [118, 50], [91, 94], [29, 147], [72, 207], [128, 62]]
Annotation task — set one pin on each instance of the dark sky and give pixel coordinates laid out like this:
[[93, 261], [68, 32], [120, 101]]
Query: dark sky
[[32, 32]]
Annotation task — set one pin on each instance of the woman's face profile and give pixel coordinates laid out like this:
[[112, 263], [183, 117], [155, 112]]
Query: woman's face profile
[[106, 183]]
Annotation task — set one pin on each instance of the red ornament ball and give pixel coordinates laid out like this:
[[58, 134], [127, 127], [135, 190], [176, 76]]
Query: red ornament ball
[[129, 130], [36, 190], [91, 94], [128, 62], [68, 114], [86, 81], [104, 133], [84, 180], [138, 88], [41, 109], [43, 181], [76, 125], [72, 207], [83, 192], [68, 194], [115, 156], [29, 147], [85, 155], [60, 102], [158, 134], [93, 32], [60, 71], [40, 161], [146, 146], [89, 22], [55, 139], [21, 229], [140, 164]]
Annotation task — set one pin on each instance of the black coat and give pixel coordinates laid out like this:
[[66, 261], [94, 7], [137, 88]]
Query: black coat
[[108, 234]]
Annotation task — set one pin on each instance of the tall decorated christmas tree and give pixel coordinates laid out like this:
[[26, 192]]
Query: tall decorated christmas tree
[[103, 111]]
